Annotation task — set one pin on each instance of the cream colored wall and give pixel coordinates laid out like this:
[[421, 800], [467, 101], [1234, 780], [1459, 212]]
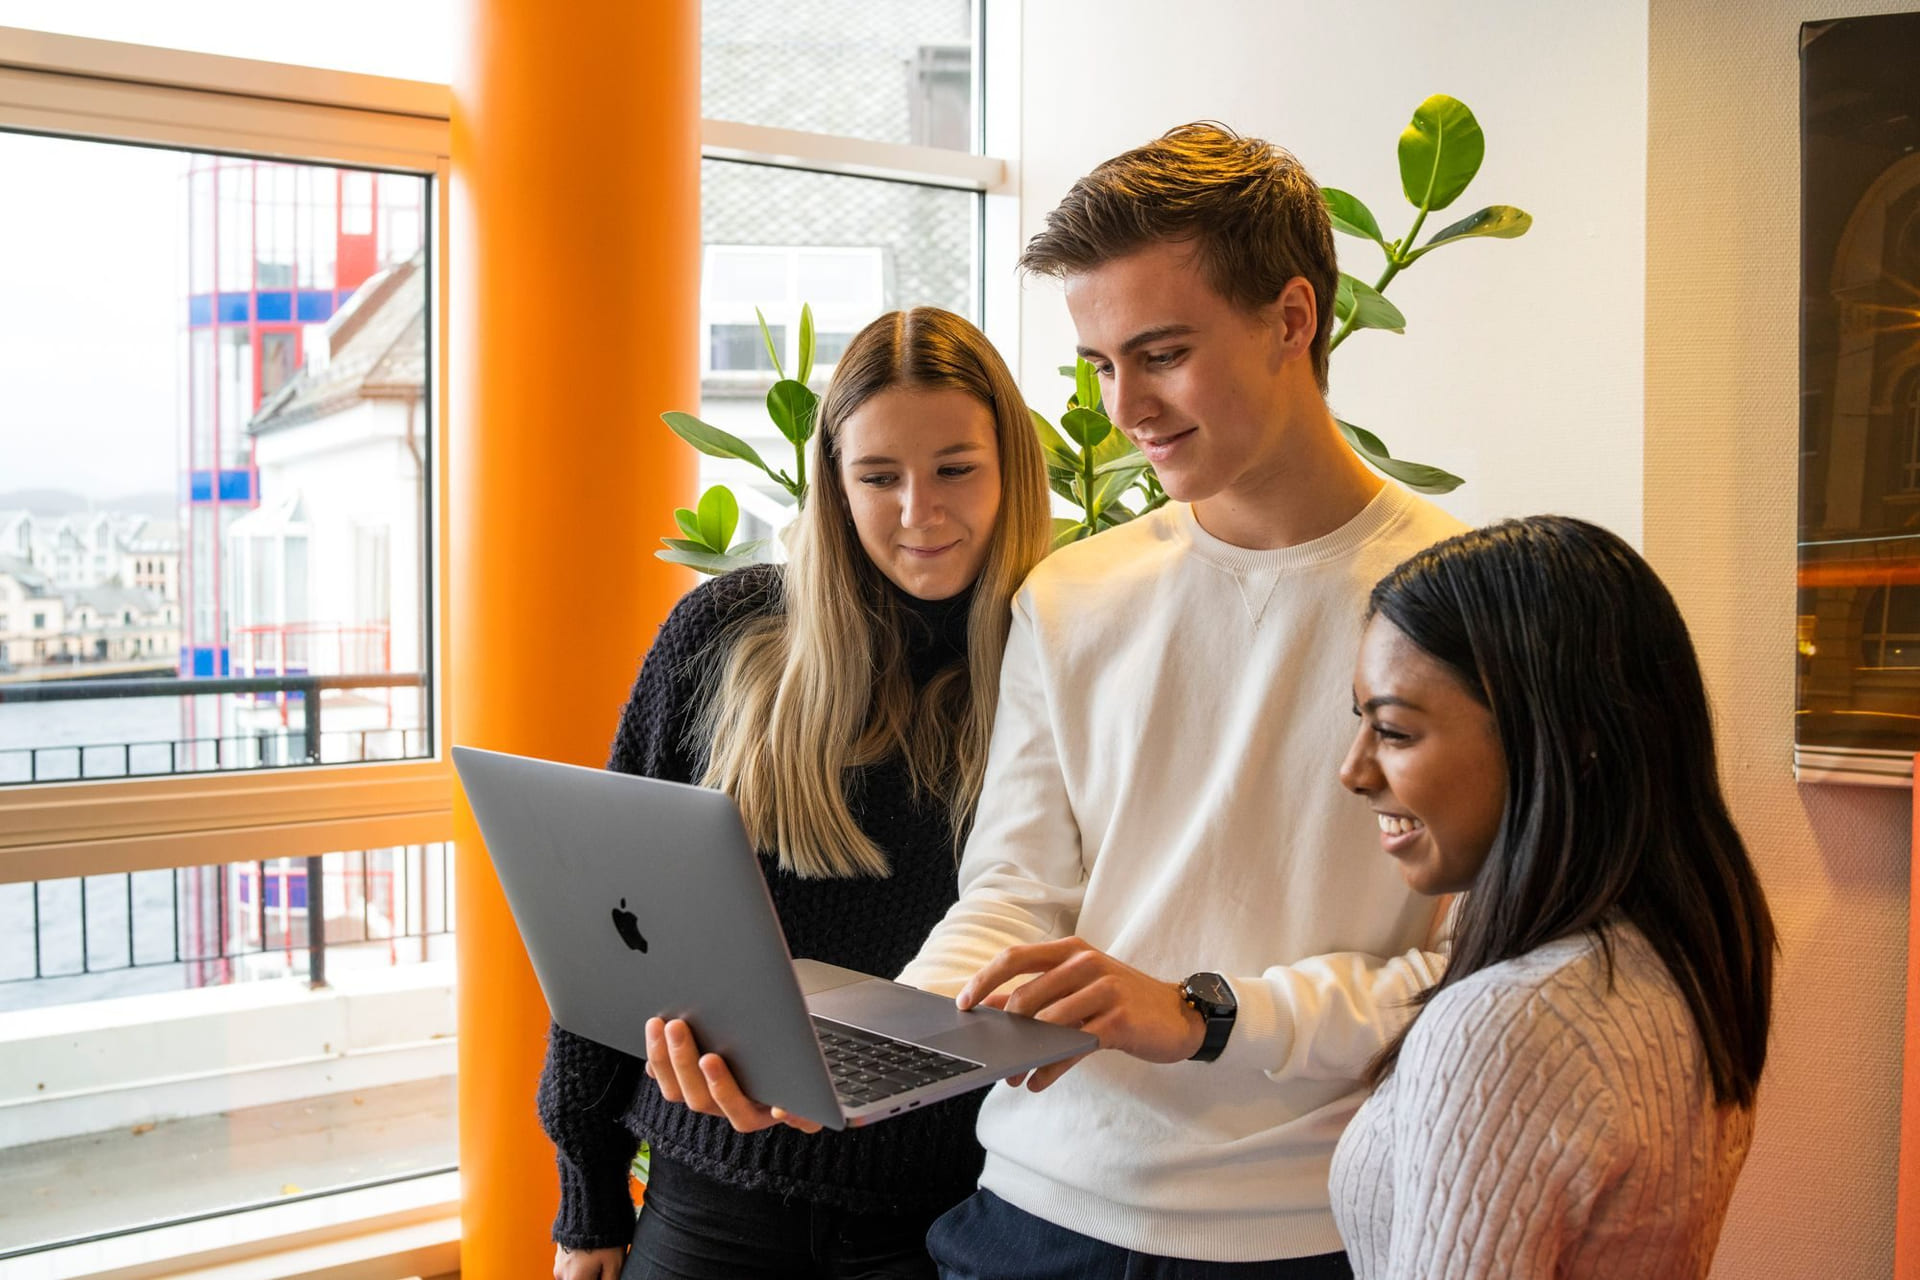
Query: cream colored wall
[[1521, 365], [1723, 166]]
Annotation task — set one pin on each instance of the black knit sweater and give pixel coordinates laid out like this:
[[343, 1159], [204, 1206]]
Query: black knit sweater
[[597, 1104]]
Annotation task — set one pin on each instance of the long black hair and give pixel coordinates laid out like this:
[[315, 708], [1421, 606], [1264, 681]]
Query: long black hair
[[1613, 802]]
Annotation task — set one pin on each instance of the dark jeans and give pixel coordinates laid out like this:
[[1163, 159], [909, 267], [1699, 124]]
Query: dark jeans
[[985, 1238], [692, 1227]]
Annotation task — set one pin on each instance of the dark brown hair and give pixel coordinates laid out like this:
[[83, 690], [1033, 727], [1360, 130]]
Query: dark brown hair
[[1613, 809], [1249, 207]]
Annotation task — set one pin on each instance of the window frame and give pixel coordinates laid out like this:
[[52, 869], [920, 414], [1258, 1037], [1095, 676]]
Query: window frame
[[104, 91]]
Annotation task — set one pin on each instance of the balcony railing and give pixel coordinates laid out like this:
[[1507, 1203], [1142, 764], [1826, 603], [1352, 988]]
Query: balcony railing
[[217, 919], [212, 918], [297, 740]]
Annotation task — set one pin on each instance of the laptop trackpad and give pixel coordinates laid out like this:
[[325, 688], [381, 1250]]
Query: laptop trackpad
[[906, 1013]]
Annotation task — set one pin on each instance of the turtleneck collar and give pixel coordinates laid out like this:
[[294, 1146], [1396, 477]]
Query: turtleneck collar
[[936, 630]]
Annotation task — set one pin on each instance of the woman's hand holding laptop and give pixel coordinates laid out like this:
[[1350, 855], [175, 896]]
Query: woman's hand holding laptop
[[704, 1083]]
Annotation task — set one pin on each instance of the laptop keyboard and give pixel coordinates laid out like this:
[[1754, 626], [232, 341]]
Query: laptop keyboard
[[868, 1068]]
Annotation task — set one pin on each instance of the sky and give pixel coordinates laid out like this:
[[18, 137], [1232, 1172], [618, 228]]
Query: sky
[[93, 236]]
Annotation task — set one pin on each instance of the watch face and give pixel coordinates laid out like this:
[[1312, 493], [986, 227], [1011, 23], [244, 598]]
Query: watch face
[[1211, 989]]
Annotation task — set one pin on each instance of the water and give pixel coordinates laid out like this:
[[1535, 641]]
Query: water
[[103, 724]]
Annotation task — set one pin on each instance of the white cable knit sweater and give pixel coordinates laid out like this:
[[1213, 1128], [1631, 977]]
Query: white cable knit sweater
[[1162, 782], [1540, 1126]]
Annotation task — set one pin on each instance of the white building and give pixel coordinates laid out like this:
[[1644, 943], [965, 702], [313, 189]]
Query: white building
[[95, 549], [41, 625], [325, 574]]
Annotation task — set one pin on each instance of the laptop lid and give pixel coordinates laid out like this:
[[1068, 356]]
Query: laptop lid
[[636, 898]]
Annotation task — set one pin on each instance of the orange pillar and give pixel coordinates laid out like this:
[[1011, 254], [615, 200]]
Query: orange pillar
[[575, 251]]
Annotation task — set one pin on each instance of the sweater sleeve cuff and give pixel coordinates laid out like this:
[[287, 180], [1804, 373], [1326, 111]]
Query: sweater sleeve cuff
[[596, 1207], [1262, 1027]]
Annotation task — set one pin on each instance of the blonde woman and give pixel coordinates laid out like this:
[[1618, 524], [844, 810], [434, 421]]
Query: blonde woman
[[845, 703]]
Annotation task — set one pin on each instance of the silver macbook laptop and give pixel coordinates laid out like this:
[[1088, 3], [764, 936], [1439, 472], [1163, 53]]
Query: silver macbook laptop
[[638, 898]]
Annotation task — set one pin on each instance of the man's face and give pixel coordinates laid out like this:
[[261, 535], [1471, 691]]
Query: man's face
[[1202, 386]]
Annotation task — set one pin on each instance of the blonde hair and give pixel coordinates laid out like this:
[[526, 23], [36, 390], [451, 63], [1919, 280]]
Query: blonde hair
[[806, 695]]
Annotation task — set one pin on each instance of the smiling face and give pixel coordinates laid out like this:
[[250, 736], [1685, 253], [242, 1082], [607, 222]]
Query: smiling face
[[921, 472], [1428, 759], [1204, 387]]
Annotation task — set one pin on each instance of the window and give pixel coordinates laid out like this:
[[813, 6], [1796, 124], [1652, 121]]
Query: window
[[271, 492], [170, 839], [1910, 432], [1890, 629], [844, 287]]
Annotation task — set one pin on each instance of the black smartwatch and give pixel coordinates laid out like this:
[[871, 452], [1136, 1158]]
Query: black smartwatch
[[1213, 1000]]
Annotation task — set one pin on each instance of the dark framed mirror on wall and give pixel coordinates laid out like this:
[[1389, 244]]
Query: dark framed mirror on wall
[[1857, 717]]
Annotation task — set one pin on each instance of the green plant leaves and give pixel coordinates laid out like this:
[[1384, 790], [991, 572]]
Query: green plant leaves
[[791, 405], [709, 528], [711, 440], [718, 515], [1086, 427], [1499, 221], [706, 561], [1086, 386], [766, 336], [1440, 151], [1113, 480], [1050, 440], [805, 370], [1348, 214], [1415, 475], [1366, 306], [1065, 531]]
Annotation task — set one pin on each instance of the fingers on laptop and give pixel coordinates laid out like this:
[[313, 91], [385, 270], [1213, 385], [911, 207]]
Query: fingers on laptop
[[704, 1083], [742, 1112]]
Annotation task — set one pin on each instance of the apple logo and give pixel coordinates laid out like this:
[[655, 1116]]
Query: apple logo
[[628, 925]]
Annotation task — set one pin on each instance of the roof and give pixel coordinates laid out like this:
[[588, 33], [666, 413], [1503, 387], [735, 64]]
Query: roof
[[112, 599], [378, 347], [36, 582]]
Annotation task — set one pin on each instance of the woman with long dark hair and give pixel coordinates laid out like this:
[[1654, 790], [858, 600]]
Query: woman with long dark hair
[[844, 702], [1574, 1097]]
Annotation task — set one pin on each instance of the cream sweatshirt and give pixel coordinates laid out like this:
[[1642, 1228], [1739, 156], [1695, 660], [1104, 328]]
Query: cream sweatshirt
[[1544, 1124], [1162, 783]]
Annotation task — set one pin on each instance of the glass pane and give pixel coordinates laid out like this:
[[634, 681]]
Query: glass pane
[[851, 248], [256, 1030], [185, 571], [1858, 638], [898, 72], [740, 347]]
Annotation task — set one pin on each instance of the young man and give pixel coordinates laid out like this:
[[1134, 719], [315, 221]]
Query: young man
[[1161, 845]]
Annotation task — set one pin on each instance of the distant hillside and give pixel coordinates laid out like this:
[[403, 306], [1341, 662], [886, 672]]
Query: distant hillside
[[61, 502]]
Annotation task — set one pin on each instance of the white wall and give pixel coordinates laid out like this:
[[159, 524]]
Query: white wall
[[1722, 451], [1521, 365]]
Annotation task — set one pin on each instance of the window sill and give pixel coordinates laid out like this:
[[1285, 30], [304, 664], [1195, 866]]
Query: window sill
[[409, 1228]]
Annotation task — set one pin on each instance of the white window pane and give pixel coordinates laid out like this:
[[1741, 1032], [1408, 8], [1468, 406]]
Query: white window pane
[[745, 278], [837, 282]]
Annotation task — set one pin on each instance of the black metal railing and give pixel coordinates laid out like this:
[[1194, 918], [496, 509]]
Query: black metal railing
[[289, 747], [214, 917]]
